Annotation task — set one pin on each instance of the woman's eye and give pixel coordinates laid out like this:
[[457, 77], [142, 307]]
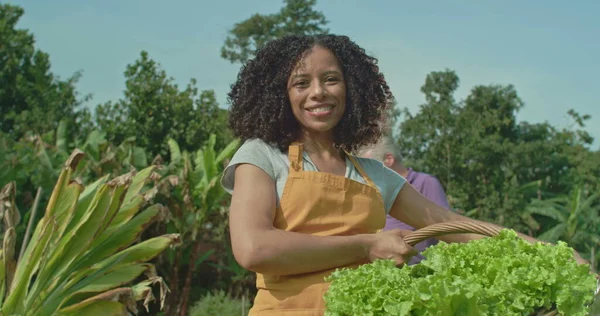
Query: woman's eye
[[300, 83], [331, 79]]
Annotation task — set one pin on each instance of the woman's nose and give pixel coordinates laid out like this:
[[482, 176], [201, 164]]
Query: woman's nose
[[318, 90]]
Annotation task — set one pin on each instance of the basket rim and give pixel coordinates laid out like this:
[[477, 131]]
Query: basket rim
[[453, 227]]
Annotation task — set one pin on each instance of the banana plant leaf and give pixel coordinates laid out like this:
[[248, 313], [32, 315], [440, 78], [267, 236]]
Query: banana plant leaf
[[83, 257]]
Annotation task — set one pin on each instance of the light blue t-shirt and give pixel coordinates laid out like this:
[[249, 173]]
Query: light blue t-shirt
[[276, 164]]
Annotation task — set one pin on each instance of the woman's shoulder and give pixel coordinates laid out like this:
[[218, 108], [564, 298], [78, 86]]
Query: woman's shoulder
[[256, 152], [377, 170], [258, 144], [256, 149], [387, 180], [369, 164]]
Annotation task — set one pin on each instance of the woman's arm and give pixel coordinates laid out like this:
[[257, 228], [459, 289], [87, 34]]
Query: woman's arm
[[417, 211], [260, 247]]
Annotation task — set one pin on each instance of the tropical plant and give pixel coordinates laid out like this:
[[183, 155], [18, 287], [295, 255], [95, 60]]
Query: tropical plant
[[574, 218], [82, 259], [102, 157], [194, 196]]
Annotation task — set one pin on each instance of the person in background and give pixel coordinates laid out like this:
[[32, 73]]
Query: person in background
[[387, 152]]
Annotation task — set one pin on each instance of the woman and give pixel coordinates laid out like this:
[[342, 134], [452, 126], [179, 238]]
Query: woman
[[302, 206]]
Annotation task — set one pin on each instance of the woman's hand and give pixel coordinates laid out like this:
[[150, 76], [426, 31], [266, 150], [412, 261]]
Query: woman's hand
[[390, 245]]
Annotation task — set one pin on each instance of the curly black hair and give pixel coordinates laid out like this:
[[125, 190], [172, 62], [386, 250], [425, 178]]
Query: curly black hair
[[260, 107]]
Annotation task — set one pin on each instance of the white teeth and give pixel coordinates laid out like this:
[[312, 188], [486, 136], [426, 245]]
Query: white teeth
[[321, 109]]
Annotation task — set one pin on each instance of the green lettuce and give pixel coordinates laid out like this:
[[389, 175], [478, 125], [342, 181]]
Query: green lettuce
[[503, 275]]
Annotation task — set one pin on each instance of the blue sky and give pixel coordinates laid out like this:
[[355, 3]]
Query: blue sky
[[548, 49]]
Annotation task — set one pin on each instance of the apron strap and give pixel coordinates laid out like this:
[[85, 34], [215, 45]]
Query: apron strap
[[295, 155], [361, 170]]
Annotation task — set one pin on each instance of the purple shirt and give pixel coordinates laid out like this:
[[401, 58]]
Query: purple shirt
[[432, 189]]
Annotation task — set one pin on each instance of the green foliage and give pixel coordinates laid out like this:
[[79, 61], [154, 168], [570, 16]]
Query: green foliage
[[27, 163], [30, 166], [154, 109], [573, 218], [190, 188], [32, 99], [82, 255], [35, 164], [476, 278], [197, 177], [36, 161], [494, 168], [108, 158], [484, 158], [219, 304], [297, 17]]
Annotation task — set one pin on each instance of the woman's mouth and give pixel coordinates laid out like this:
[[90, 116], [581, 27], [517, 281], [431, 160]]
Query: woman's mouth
[[320, 110]]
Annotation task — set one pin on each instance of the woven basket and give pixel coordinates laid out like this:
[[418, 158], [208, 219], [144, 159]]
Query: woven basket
[[468, 227]]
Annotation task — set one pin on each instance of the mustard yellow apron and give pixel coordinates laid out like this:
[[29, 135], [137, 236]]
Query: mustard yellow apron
[[320, 204]]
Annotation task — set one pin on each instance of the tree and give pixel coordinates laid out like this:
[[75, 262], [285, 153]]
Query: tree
[[427, 138], [490, 165], [297, 17], [154, 110], [32, 99], [466, 144]]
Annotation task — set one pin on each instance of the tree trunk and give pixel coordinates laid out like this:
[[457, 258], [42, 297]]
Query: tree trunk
[[173, 302], [172, 307], [185, 295]]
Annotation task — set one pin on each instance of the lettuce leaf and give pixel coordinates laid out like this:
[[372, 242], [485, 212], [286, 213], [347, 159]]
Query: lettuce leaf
[[503, 275]]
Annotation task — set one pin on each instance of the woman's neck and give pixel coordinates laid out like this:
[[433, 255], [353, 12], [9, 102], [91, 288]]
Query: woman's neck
[[324, 154], [320, 145]]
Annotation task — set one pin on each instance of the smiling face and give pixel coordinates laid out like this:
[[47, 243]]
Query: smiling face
[[317, 91]]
